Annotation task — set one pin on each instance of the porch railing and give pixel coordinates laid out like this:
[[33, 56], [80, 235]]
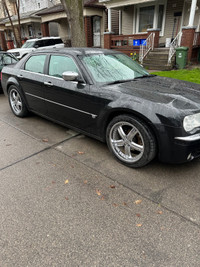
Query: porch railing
[[196, 41], [174, 44], [125, 41], [146, 47]]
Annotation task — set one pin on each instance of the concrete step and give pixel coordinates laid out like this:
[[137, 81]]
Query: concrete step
[[153, 56], [163, 50], [163, 67], [159, 61]]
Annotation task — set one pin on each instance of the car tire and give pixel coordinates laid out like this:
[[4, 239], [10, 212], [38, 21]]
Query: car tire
[[17, 102], [131, 141]]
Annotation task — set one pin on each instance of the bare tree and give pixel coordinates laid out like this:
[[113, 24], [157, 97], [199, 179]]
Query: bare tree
[[74, 11], [17, 6]]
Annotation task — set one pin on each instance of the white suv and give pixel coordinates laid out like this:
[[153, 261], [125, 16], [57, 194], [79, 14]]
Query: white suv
[[39, 43]]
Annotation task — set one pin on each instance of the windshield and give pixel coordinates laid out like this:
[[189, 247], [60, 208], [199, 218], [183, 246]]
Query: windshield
[[28, 44], [106, 68]]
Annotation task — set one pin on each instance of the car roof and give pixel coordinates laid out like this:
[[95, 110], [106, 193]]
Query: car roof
[[77, 51], [43, 38]]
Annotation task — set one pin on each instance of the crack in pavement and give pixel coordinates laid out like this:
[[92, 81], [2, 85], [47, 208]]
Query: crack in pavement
[[40, 151], [16, 128]]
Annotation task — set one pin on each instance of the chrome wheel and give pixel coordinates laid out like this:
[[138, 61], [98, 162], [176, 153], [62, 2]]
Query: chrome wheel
[[16, 101], [126, 142]]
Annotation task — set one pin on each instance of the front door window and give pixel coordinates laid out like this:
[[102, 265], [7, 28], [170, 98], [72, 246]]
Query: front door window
[[96, 31]]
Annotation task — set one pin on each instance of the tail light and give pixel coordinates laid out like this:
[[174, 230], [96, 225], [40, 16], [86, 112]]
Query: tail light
[[1, 76]]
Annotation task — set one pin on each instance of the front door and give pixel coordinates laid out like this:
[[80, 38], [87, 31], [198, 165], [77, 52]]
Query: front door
[[68, 102], [96, 21]]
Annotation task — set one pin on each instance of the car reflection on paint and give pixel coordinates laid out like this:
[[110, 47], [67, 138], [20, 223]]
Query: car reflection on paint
[[108, 96]]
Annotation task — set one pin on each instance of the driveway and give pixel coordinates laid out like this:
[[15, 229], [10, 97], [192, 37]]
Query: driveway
[[64, 201]]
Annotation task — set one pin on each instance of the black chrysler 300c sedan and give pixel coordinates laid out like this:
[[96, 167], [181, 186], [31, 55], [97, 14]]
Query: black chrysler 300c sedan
[[108, 96]]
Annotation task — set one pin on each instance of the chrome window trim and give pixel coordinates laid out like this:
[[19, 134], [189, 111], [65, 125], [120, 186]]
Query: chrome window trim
[[57, 78], [65, 106]]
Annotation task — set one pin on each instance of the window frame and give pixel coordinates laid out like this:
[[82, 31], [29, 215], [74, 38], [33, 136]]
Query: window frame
[[156, 9], [34, 55], [80, 72]]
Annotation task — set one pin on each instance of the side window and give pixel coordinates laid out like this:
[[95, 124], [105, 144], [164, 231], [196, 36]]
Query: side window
[[58, 41], [60, 64], [48, 42], [35, 64], [39, 43]]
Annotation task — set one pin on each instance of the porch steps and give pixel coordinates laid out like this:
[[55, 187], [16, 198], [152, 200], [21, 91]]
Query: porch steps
[[158, 60]]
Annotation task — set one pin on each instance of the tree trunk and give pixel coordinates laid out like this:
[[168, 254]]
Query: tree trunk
[[74, 11], [19, 23], [12, 26]]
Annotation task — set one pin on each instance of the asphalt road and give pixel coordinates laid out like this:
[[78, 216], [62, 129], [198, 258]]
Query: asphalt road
[[64, 201]]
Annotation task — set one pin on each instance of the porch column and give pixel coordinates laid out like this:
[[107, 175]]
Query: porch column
[[88, 31], [156, 13], [109, 20], [45, 29], [120, 22], [192, 13], [157, 36], [3, 41], [188, 39], [107, 40]]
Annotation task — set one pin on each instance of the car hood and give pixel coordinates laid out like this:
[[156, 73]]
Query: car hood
[[20, 50], [160, 90]]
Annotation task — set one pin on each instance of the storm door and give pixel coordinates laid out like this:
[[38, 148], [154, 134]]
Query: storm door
[[96, 22]]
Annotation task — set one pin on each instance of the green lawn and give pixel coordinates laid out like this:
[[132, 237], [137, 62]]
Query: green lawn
[[186, 75]]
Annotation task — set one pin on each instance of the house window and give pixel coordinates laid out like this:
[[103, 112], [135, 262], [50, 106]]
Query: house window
[[146, 18], [160, 16], [150, 17], [39, 5]]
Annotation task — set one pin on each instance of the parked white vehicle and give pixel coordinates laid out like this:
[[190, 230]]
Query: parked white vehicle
[[39, 43]]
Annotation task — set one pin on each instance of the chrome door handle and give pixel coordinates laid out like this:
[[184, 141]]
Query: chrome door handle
[[48, 83]]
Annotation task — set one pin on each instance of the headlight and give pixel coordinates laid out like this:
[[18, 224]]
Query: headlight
[[191, 122]]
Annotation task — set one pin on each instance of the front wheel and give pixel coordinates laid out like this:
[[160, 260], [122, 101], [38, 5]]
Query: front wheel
[[131, 141], [16, 101]]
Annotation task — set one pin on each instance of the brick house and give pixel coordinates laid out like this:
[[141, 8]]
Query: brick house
[[94, 18], [48, 18], [30, 22], [164, 24]]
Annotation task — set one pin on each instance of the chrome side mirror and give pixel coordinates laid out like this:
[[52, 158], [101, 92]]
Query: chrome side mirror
[[70, 75]]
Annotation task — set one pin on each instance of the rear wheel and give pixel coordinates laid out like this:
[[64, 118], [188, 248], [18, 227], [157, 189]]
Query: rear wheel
[[131, 141], [16, 101]]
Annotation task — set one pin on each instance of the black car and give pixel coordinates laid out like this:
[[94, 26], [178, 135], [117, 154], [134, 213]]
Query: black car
[[6, 59], [108, 96]]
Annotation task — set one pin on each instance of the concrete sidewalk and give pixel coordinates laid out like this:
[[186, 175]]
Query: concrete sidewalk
[[66, 202]]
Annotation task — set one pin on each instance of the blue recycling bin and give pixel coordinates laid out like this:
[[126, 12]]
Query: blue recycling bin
[[143, 41], [136, 42]]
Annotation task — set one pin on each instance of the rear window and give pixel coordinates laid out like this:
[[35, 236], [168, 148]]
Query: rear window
[[35, 64]]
